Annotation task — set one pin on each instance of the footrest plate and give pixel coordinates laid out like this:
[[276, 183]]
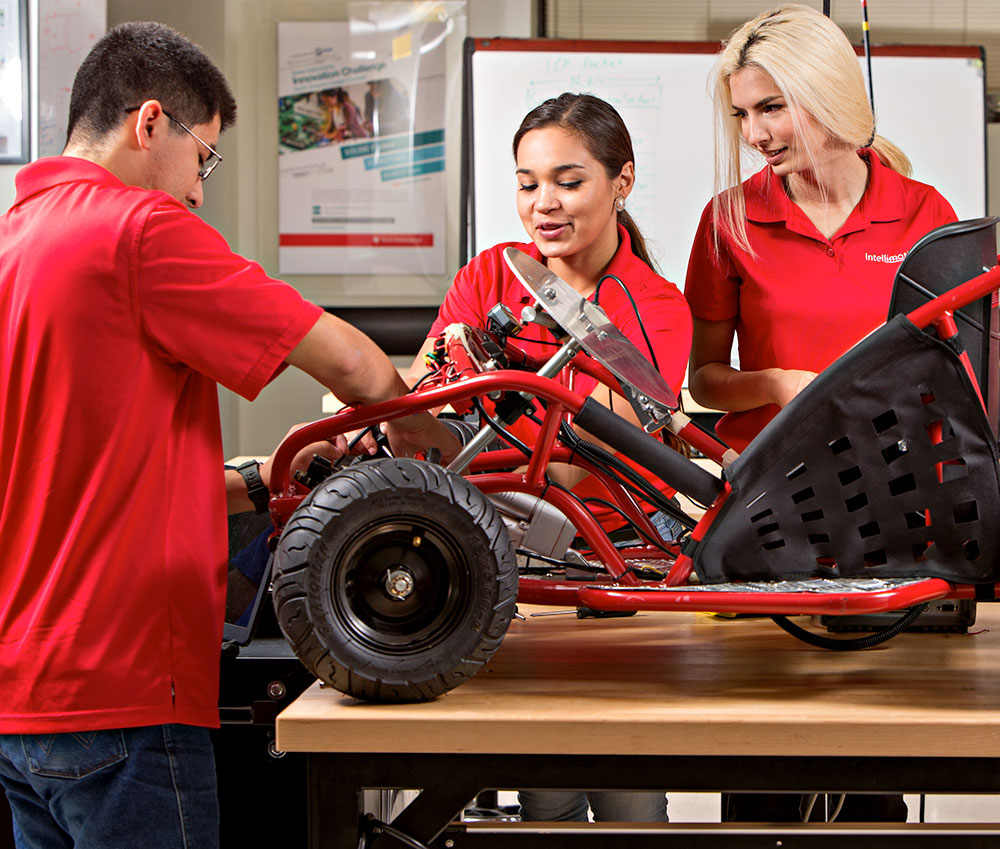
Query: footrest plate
[[812, 585], [816, 596]]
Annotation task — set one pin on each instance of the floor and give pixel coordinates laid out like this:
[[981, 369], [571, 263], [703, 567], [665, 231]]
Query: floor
[[705, 807]]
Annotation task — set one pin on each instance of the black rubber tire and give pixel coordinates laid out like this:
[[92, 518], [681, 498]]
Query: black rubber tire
[[421, 521]]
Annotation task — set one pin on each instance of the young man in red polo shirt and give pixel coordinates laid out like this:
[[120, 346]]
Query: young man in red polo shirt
[[122, 312]]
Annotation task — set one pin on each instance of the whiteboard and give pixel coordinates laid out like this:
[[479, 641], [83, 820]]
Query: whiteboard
[[67, 30], [928, 100]]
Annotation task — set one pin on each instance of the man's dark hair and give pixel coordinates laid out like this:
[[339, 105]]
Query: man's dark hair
[[143, 60]]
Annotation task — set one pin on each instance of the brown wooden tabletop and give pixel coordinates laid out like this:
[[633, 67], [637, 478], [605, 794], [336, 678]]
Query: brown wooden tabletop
[[681, 683]]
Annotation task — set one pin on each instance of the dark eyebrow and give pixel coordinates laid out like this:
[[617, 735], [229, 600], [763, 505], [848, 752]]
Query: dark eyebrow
[[558, 169]]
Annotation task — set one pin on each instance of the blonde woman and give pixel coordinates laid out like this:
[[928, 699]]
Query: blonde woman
[[797, 261]]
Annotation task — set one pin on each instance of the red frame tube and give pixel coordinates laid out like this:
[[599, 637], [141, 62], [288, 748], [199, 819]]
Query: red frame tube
[[404, 405], [962, 295]]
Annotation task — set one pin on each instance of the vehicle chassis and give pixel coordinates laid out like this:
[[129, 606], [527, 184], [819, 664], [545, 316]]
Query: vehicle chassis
[[679, 575]]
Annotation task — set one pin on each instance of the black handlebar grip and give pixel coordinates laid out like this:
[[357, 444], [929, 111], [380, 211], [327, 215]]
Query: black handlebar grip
[[660, 459]]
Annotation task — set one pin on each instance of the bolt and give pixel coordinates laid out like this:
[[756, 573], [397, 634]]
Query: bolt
[[276, 690], [549, 294], [399, 583], [602, 336], [448, 844], [274, 751]]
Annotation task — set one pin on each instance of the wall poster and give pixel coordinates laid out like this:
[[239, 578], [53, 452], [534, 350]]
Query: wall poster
[[361, 150]]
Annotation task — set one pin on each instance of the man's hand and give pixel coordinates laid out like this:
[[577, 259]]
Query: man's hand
[[333, 450], [410, 435], [237, 499]]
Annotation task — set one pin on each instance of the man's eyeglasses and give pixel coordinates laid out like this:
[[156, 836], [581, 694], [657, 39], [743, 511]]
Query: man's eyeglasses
[[209, 163]]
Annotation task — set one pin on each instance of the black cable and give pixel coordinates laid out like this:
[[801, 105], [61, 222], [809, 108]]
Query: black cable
[[610, 464], [656, 543], [373, 825], [574, 442], [641, 488], [555, 561], [370, 429], [499, 429], [856, 644], [635, 309], [425, 376], [603, 458]]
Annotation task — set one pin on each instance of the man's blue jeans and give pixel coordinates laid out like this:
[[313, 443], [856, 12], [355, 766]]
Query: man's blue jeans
[[151, 787]]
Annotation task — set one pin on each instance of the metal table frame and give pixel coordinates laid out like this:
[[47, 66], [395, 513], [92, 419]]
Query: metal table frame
[[450, 781]]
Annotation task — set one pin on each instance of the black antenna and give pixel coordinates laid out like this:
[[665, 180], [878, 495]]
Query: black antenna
[[868, 52]]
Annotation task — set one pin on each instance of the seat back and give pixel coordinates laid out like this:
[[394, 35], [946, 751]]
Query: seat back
[[940, 261]]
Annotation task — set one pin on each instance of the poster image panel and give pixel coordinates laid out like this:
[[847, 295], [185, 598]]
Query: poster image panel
[[361, 149]]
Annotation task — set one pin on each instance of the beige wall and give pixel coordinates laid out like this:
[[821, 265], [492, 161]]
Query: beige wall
[[242, 197]]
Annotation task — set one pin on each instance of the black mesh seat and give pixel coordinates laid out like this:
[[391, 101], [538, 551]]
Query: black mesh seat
[[942, 259], [844, 482]]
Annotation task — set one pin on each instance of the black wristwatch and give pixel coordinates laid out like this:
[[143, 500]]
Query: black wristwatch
[[250, 471]]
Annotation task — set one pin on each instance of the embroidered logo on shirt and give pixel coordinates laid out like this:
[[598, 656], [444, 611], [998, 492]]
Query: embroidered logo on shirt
[[886, 257]]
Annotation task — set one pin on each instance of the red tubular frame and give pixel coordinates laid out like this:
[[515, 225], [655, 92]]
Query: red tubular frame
[[960, 296], [373, 414]]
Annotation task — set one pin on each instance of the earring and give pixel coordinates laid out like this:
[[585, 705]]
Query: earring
[[620, 203]]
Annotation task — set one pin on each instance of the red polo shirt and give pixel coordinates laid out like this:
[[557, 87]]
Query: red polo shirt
[[487, 281], [804, 299], [122, 311]]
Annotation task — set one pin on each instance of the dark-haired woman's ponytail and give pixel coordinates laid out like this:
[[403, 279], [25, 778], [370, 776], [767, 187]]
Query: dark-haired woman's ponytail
[[638, 242]]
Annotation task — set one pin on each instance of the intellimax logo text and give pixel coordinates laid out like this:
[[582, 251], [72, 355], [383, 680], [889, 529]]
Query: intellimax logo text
[[885, 257]]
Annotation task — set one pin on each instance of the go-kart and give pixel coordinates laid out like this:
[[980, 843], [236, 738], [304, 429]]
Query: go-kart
[[875, 490]]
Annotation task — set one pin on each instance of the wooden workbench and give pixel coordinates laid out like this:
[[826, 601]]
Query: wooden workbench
[[697, 703]]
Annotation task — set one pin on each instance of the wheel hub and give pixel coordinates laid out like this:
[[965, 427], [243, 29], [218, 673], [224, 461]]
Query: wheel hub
[[399, 583]]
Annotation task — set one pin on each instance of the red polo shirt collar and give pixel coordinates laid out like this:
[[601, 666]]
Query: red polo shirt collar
[[883, 201], [55, 170]]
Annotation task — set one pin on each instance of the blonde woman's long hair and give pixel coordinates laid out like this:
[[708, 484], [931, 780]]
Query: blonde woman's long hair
[[816, 70]]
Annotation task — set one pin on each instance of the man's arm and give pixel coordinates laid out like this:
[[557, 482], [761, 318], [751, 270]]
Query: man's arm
[[347, 362], [237, 494], [356, 370]]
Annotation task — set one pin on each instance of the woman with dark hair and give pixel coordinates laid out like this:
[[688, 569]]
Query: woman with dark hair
[[575, 169]]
